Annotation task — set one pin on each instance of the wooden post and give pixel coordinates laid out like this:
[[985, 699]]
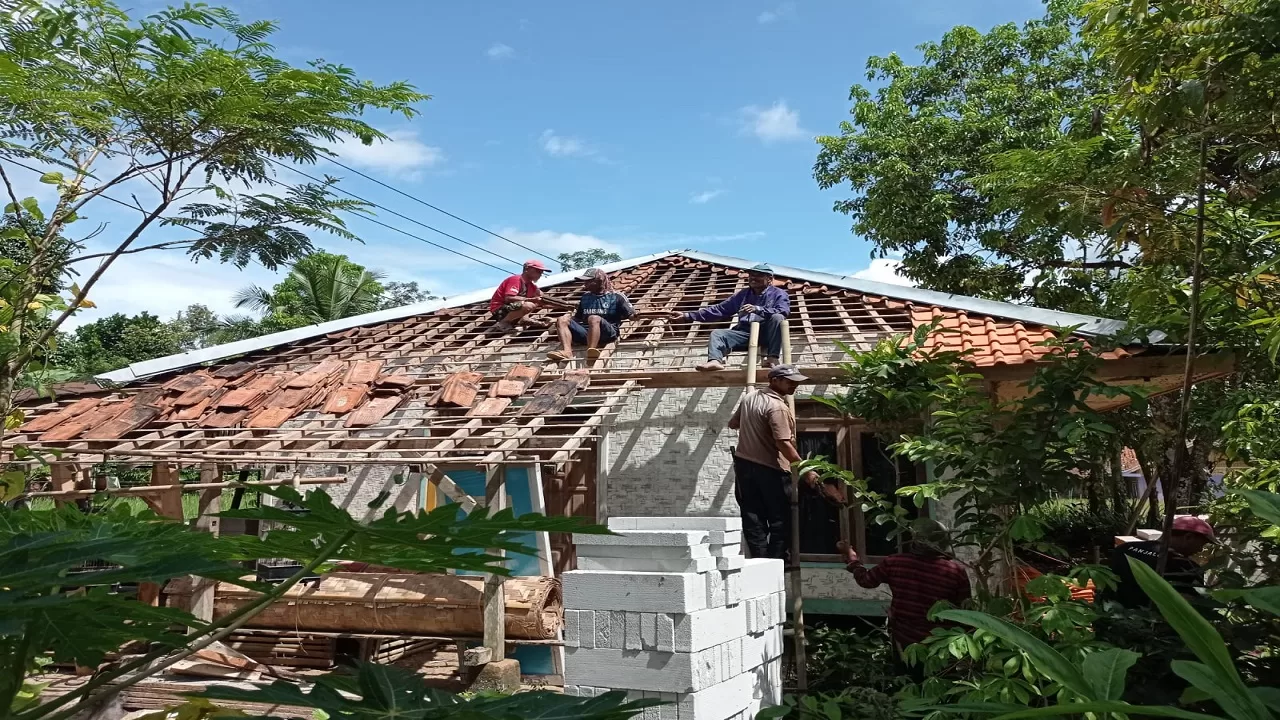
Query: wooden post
[[167, 504], [753, 352], [495, 611], [202, 589], [63, 478], [794, 586]]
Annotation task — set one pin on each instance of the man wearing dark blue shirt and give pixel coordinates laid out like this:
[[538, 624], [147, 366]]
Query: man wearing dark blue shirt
[[761, 302], [596, 320]]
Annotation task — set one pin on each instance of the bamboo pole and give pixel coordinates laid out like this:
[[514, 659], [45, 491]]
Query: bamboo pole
[[793, 559], [753, 348]]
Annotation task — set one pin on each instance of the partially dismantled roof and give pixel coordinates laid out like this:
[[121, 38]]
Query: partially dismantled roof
[[434, 383]]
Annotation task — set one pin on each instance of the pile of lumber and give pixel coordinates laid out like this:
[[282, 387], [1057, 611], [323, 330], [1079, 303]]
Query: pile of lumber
[[412, 604]]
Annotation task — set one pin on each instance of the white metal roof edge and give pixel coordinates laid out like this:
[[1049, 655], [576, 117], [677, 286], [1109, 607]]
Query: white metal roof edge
[[148, 368], [1087, 324]]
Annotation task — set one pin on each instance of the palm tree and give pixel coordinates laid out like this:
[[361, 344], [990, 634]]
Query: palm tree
[[320, 287]]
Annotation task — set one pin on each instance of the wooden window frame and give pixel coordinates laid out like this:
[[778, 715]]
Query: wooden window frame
[[849, 456]]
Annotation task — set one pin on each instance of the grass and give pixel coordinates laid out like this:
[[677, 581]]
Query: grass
[[190, 502]]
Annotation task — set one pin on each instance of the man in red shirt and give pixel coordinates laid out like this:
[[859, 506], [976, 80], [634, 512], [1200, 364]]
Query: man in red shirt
[[918, 578], [517, 296]]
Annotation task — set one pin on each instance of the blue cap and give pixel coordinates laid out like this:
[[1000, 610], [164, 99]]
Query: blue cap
[[762, 268]]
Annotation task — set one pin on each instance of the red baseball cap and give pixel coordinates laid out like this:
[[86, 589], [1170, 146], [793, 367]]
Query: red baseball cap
[[1193, 524], [535, 264]]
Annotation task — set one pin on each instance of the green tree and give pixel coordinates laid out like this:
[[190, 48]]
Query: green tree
[[116, 341], [164, 115], [320, 287], [399, 294], [916, 149], [583, 259]]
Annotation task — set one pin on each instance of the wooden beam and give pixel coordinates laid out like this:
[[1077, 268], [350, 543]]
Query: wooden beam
[[146, 490], [166, 503], [494, 603], [202, 589], [447, 486], [1129, 368]]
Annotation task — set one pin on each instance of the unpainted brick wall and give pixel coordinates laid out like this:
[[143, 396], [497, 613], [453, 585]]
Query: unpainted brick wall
[[669, 453]]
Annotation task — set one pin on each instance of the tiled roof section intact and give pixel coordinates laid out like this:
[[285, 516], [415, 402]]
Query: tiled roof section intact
[[991, 341]]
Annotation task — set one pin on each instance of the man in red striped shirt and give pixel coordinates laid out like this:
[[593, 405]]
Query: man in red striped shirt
[[918, 578]]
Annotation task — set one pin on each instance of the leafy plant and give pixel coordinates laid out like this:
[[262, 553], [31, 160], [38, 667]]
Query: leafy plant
[[181, 117], [389, 692], [993, 460], [48, 609]]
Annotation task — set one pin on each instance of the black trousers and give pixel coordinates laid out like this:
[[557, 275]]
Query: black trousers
[[764, 495]]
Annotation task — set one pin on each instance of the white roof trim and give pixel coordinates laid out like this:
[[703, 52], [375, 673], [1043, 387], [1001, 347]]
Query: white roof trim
[[1089, 325]]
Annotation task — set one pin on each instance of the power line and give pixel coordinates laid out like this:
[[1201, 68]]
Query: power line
[[277, 182], [406, 217], [437, 209], [406, 233]]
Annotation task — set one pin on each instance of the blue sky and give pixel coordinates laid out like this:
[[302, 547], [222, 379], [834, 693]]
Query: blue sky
[[638, 126]]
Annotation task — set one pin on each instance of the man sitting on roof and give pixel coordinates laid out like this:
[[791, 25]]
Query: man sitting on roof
[[761, 302], [517, 296], [595, 321]]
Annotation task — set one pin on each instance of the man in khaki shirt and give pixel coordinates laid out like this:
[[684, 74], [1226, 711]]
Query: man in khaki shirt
[[762, 463]]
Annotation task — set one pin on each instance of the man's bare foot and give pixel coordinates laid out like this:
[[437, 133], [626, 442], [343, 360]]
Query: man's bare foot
[[770, 362], [711, 366], [504, 326]]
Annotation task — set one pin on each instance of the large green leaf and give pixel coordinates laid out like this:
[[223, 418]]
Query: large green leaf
[[1263, 598], [1265, 505], [387, 692], [1098, 707], [1105, 671], [1046, 659], [437, 541], [1230, 691], [1269, 696], [1204, 680]]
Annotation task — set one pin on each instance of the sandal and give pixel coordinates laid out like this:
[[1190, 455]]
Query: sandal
[[593, 353], [559, 356]]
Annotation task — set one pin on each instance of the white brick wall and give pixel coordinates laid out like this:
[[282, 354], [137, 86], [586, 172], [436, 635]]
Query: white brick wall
[[669, 453]]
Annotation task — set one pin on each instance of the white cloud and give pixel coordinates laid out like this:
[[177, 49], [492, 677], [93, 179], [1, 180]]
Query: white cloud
[[786, 9], [500, 51], [706, 196], [403, 155], [565, 145], [885, 270], [553, 242], [163, 283], [776, 123]]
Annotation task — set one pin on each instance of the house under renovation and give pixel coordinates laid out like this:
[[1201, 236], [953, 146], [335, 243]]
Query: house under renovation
[[361, 406]]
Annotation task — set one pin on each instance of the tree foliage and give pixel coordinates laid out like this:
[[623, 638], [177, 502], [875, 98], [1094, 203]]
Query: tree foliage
[[180, 117], [583, 259], [916, 150]]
